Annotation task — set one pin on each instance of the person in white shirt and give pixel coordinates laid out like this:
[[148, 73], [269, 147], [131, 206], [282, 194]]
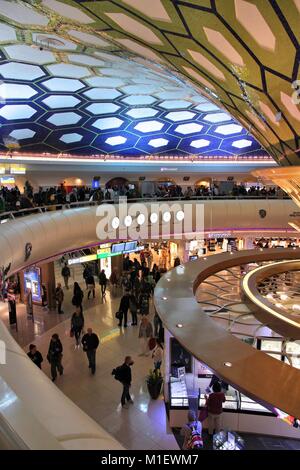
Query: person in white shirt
[[157, 355]]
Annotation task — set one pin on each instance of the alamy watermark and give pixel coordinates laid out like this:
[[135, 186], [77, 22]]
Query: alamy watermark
[[147, 221]]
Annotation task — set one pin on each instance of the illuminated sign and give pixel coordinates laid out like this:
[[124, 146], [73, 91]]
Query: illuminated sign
[[4, 180], [219, 235], [17, 170], [106, 251]]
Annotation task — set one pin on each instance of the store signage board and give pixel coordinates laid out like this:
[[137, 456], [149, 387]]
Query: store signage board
[[103, 254], [219, 235]]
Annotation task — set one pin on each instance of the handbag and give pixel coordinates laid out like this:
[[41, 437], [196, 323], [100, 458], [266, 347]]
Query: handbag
[[203, 414], [119, 315], [71, 333]]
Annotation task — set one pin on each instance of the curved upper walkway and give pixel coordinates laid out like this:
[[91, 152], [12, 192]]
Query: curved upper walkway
[[256, 374]]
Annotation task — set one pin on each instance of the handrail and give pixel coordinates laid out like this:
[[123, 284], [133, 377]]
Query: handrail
[[77, 204]]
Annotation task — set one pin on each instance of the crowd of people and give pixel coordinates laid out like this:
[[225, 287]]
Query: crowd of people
[[11, 199], [137, 283]]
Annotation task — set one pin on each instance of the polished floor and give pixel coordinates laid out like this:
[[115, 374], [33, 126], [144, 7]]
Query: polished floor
[[142, 426]]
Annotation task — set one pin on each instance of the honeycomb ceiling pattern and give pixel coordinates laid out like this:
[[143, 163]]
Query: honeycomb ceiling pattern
[[119, 76]]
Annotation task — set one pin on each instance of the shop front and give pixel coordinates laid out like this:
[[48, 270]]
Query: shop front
[[188, 381]]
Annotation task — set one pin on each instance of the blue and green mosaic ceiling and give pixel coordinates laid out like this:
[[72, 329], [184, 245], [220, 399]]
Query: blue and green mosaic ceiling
[[140, 77]]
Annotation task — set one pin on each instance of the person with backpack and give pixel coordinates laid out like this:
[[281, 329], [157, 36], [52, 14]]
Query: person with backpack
[[192, 433], [90, 342], [77, 324], [102, 282], [66, 273], [123, 375]]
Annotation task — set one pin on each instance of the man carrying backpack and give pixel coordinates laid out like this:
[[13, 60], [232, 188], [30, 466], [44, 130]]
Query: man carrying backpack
[[66, 273], [192, 433], [123, 374]]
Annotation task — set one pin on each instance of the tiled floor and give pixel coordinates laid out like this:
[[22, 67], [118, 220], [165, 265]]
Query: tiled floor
[[144, 425]]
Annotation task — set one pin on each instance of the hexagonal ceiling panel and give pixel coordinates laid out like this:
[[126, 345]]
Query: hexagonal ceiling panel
[[70, 85]]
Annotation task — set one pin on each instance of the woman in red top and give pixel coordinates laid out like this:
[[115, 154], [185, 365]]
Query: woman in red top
[[214, 405]]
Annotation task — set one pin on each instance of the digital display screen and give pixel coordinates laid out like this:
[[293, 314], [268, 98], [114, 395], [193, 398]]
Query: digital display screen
[[118, 247], [130, 246], [96, 182], [4, 180], [32, 280]]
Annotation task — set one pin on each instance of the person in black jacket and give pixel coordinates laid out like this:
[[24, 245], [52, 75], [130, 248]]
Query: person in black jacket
[[125, 379], [90, 342], [103, 282], [35, 355], [54, 356], [66, 273], [90, 285], [77, 296], [123, 309], [77, 324]]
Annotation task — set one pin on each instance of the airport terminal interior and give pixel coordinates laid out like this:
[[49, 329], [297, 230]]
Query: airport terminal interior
[[149, 225]]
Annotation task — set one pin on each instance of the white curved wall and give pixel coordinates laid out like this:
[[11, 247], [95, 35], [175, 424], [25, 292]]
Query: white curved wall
[[28, 400], [60, 231]]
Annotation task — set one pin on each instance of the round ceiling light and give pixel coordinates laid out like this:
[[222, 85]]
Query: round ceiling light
[[128, 221], [166, 216], [179, 216], [141, 219], [115, 222], [153, 218]]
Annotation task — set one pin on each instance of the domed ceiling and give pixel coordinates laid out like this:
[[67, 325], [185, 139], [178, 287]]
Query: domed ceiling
[[142, 77]]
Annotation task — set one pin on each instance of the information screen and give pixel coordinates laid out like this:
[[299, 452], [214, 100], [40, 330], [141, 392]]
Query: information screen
[[118, 248], [130, 246], [32, 280]]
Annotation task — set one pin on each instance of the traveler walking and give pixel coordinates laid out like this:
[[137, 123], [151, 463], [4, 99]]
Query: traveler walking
[[90, 343], [103, 282], [66, 273], [59, 297], [157, 355], [133, 309], [35, 355], [123, 374], [54, 356], [123, 309], [145, 333], [77, 324], [90, 285], [77, 296]]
